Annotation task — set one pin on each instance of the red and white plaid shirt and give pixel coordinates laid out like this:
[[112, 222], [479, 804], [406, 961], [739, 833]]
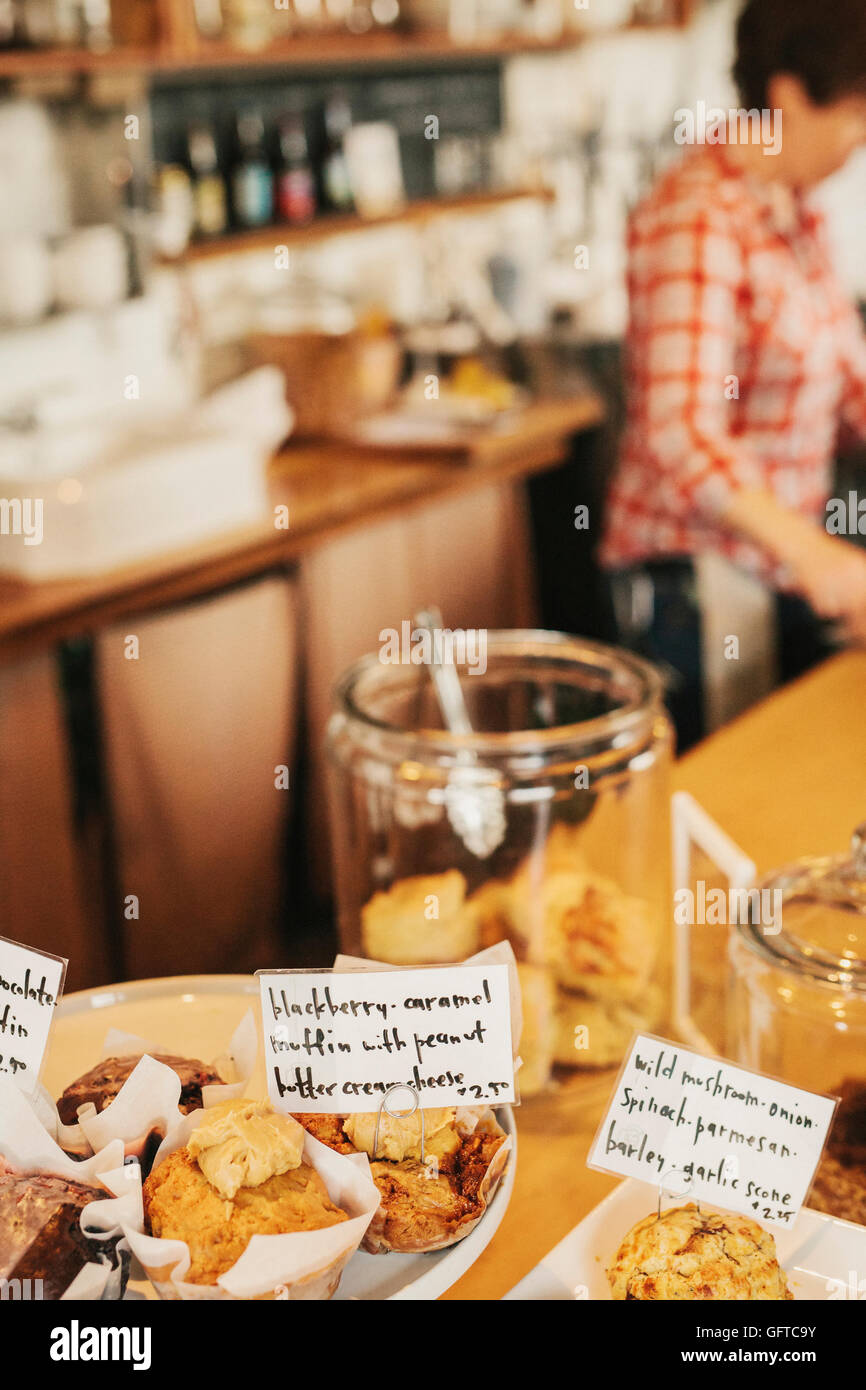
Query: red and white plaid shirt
[[745, 359]]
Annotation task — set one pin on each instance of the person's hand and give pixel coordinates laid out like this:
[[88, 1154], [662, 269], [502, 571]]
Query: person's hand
[[827, 570], [831, 574]]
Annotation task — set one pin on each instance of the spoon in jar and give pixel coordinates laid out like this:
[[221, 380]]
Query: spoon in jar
[[473, 799]]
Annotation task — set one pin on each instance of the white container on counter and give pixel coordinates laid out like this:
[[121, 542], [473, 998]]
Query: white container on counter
[[91, 269], [143, 494]]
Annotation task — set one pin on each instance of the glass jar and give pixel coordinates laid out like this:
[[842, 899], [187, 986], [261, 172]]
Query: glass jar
[[797, 1004], [546, 826]]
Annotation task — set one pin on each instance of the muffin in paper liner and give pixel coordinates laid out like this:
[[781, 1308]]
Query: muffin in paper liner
[[385, 1234], [29, 1155], [303, 1265], [148, 1105], [434, 1229]]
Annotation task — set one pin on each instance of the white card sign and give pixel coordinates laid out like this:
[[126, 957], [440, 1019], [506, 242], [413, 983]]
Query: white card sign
[[336, 1042], [700, 1126], [31, 983]]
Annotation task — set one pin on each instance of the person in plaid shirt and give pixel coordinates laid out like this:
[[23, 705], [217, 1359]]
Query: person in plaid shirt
[[745, 358]]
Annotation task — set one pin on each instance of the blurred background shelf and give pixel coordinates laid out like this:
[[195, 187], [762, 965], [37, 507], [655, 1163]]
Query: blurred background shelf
[[419, 211], [300, 52]]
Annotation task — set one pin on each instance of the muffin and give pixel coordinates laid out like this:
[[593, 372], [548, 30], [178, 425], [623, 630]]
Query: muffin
[[422, 1205], [420, 921], [101, 1084], [685, 1254], [241, 1174], [40, 1230]]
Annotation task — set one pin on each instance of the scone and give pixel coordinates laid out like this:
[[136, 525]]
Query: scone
[[100, 1085], [538, 1039], [241, 1174], [687, 1254], [595, 938], [40, 1231], [420, 921], [429, 1205], [590, 1034], [592, 936]]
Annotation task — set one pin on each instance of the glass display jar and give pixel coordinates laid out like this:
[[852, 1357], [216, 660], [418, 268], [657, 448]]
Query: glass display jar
[[797, 1004], [546, 826]]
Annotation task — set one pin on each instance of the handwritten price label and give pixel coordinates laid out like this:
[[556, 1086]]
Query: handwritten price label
[[339, 1041], [700, 1127], [31, 983]]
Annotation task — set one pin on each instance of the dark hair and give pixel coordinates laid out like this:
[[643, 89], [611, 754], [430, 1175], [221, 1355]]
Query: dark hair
[[824, 45]]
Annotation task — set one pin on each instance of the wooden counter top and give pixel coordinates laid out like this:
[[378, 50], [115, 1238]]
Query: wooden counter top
[[787, 779], [327, 488]]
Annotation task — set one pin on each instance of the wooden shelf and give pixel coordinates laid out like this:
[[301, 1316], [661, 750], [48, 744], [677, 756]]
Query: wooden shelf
[[338, 224], [300, 52], [341, 50], [59, 62]]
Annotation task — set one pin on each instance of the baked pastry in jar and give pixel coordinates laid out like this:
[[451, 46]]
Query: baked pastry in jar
[[595, 938], [538, 1038], [426, 1201], [241, 1173], [41, 1234], [591, 1035], [420, 921], [686, 1254]]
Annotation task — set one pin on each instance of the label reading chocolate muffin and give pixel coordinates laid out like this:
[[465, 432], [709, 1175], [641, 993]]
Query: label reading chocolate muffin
[[31, 983]]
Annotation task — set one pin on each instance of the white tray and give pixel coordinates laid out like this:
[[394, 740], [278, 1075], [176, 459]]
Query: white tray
[[818, 1254], [195, 1016]]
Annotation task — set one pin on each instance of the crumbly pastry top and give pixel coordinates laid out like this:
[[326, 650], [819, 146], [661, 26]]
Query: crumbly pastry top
[[243, 1143], [687, 1254], [180, 1204]]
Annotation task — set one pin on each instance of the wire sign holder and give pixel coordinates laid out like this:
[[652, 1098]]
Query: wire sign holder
[[431, 1164]]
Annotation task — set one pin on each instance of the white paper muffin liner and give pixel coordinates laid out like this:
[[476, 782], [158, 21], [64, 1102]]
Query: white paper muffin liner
[[469, 1119], [302, 1265], [26, 1147], [147, 1105]]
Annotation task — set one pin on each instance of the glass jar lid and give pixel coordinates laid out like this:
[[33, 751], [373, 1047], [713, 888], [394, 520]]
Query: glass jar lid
[[817, 907]]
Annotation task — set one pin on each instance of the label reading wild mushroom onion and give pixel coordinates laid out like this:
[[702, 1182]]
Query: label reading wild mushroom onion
[[701, 1128]]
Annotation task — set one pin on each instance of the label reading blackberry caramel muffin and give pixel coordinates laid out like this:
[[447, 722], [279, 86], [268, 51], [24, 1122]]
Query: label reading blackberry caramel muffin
[[700, 1125], [337, 1042]]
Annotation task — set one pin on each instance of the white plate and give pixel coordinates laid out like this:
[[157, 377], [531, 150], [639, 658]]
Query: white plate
[[195, 1016], [819, 1254]]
